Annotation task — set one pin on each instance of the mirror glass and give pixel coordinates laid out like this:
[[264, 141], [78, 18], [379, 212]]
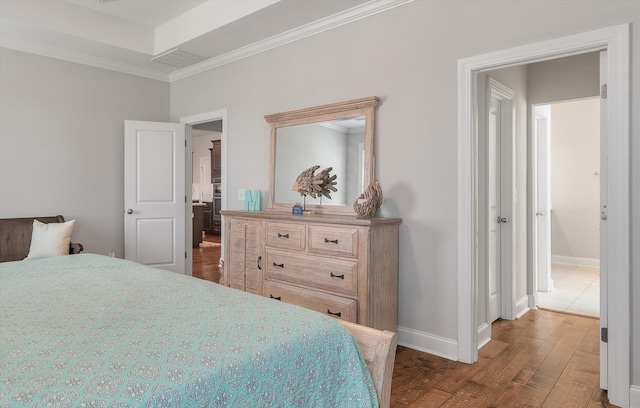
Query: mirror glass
[[337, 143]]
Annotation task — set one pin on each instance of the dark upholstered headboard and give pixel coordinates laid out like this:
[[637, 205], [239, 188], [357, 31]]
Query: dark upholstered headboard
[[15, 237]]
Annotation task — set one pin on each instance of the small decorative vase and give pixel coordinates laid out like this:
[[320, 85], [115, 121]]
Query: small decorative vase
[[369, 202]]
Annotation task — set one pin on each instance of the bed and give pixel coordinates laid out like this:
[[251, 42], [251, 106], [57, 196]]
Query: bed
[[93, 331]]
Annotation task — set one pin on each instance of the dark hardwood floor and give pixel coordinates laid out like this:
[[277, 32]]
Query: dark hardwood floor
[[206, 258], [543, 359]]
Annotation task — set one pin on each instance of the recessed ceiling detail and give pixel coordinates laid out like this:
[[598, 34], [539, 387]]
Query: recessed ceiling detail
[[178, 58], [150, 38]]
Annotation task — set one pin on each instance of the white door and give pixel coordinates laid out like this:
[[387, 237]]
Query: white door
[[604, 199], [501, 202], [154, 194], [493, 208], [542, 224]]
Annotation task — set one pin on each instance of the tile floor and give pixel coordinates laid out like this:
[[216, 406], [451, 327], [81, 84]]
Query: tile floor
[[576, 290]]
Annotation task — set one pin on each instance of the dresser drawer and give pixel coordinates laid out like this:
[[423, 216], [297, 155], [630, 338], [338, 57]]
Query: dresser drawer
[[335, 306], [340, 241], [287, 236], [318, 272]]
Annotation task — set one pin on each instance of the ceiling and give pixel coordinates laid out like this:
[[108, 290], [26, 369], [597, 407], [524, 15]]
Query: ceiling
[[190, 35]]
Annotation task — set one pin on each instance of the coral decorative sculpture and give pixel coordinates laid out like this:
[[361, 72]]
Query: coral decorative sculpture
[[315, 185], [369, 202]]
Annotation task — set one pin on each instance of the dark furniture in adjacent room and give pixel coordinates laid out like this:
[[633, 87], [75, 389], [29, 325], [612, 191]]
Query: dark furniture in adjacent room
[[198, 219], [216, 160]]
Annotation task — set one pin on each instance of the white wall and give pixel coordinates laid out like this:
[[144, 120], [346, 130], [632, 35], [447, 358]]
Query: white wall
[[61, 142], [575, 186]]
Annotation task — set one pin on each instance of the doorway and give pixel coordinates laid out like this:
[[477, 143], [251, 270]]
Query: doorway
[[216, 191], [614, 369], [541, 81], [567, 195], [206, 198], [505, 149]]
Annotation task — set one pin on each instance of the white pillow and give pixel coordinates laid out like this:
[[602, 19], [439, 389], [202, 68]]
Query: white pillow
[[51, 239]]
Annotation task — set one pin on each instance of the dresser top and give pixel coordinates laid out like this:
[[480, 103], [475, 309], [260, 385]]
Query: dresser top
[[315, 218]]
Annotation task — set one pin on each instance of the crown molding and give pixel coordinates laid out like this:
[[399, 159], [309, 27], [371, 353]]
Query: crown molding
[[98, 62], [348, 16]]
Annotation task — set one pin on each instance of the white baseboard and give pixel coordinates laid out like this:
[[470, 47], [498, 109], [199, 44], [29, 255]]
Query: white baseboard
[[533, 301], [522, 306], [428, 343], [484, 334], [634, 396], [571, 260]]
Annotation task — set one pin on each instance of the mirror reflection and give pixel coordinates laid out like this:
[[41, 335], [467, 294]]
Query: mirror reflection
[[337, 143], [338, 135]]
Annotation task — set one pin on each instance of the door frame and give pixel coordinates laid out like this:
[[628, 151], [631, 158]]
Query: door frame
[[616, 41], [506, 179], [604, 227], [205, 117]]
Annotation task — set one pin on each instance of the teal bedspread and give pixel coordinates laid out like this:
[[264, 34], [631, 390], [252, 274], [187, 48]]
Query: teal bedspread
[[92, 331]]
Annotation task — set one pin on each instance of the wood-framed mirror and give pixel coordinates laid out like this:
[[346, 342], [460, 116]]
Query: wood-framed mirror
[[339, 135]]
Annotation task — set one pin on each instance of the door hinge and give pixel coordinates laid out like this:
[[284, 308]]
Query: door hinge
[[185, 199], [604, 335], [185, 254], [185, 142], [603, 91]]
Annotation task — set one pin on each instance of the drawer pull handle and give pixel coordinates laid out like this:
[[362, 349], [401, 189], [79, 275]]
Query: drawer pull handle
[[333, 241], [275, 297], [278, 265], [333, 275], [259, 259], [337, 314], [283, 235]]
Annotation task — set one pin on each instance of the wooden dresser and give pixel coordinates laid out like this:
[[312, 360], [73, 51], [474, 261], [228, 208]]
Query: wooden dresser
[[344, 266]]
